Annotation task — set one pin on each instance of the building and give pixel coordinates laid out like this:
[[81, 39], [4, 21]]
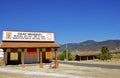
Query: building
[[86, 56], [21, 47]]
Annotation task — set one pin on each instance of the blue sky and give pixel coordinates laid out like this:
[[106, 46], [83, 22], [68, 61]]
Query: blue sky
[[70, 20]]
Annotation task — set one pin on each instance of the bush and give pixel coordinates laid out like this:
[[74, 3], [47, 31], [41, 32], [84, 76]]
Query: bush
[[62, 56], [105, 54]]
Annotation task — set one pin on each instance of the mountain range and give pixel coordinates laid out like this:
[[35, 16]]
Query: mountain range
[[91, 45]]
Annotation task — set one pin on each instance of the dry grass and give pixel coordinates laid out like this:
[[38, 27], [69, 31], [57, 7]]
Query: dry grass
[[1, 62], [113, 61], [117, 56]]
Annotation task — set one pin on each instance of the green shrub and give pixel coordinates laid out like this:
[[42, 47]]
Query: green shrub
[[105, 54], [62, 56]]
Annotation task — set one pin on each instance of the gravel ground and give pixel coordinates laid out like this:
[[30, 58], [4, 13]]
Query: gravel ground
[[16, 71], [36, 71], [64, 71]]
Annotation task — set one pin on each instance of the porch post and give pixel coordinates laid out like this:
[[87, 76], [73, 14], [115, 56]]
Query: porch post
[[56, 58], [87, 57], [40, 54], [80, 58], [22, 57], [5, 54], [93, 58]]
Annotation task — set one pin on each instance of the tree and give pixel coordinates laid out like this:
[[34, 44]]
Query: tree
[[105, 54], [62, 56]]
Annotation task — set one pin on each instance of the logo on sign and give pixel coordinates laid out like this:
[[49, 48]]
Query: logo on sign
[[8, 35], [49, 36]]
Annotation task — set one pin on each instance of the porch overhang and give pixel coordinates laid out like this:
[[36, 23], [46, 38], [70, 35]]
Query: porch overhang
[[29, 45]]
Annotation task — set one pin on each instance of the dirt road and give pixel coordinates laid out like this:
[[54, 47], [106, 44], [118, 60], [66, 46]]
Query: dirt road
[[108, 66]]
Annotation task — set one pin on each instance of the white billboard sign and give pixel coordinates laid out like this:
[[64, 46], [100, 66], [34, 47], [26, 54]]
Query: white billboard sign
[[27, 36]]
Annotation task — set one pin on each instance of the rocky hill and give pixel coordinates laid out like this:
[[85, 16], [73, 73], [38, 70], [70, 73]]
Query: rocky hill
[[91, 45]]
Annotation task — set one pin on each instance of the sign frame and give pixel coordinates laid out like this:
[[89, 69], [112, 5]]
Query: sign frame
[[8, 35]]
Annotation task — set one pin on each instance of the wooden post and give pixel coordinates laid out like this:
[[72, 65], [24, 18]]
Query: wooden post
[[5, 54], [93, 57], [56, 58], [87, 57], [80, 58], [40, 54], [22, 57]]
